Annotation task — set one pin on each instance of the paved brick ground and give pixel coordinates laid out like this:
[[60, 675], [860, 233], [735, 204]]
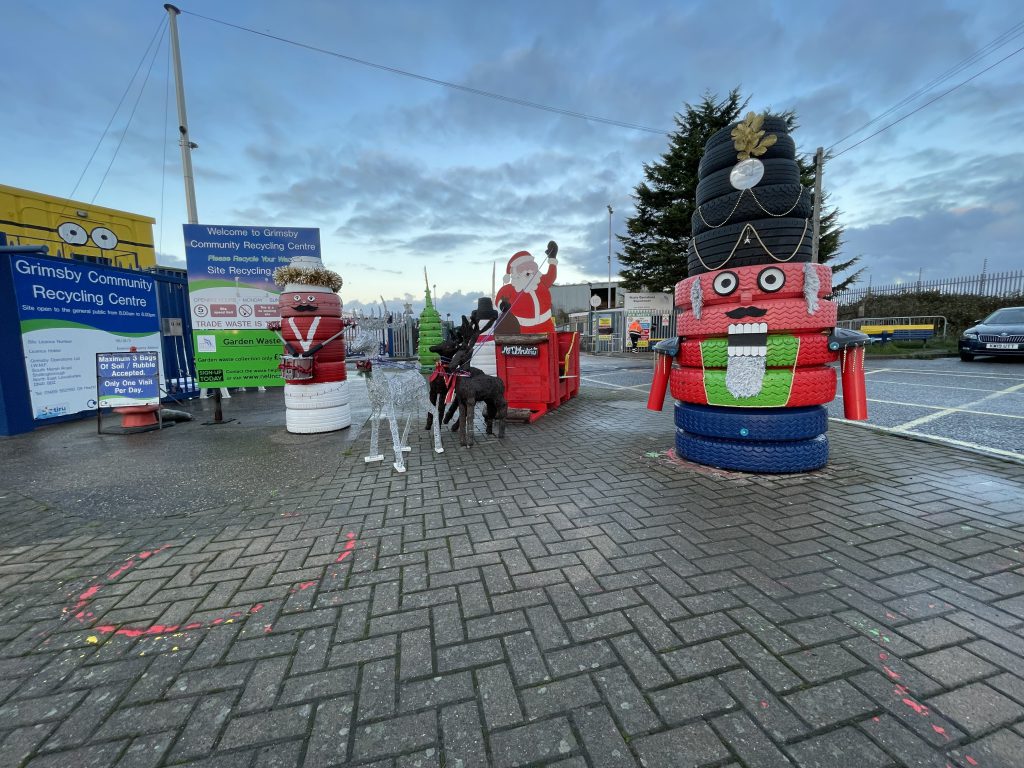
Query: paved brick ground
[[571, 596]]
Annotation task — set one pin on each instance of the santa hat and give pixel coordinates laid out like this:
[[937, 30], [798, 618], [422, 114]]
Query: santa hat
[[520, 258]]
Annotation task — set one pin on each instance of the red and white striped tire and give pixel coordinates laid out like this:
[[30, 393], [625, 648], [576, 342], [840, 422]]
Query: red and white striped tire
[[806, 386], [318, 420], [812, 350], [781, 316], [323, 373], [312, 396], [747, 277]]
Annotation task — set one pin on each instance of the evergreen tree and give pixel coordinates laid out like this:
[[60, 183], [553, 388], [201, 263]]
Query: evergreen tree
[[654, 248]]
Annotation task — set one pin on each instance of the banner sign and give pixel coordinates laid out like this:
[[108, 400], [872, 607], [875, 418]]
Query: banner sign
[[233, 297], [127, 378], [648, 303], [69, 312]]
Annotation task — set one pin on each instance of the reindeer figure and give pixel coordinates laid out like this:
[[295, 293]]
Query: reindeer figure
[[472, 389], [391, 396]]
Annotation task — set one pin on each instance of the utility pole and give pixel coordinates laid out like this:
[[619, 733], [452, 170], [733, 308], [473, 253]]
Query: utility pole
[[186, 158], [819, 160], [610, 212]]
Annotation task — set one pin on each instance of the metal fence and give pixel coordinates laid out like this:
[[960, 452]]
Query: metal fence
[[984, 284], [396, 339], [615, 338]]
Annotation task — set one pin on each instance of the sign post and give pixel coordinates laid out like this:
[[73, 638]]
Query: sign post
[[127, 380]]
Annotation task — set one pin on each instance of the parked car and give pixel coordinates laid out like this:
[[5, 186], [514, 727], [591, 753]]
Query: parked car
[[1001, 333]]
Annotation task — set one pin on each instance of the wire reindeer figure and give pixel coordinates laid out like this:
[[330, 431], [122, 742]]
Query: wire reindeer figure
[[392, 395]]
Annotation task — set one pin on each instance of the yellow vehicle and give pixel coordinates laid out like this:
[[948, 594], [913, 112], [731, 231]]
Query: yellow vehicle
[[74, 230]]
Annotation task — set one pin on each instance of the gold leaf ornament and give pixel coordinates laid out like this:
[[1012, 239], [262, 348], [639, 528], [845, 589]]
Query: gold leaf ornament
[[749, 139]]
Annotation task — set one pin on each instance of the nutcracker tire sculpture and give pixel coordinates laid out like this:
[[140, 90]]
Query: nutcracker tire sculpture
[[756, 334], [316, 390]]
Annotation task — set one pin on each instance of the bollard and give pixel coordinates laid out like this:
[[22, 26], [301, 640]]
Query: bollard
[[855, 398]]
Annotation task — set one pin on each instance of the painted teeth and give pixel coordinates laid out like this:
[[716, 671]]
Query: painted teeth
[[748, 351], [748, 328]]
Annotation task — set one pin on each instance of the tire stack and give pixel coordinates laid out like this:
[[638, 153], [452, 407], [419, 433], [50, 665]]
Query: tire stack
[[321, 403], [752, 374]]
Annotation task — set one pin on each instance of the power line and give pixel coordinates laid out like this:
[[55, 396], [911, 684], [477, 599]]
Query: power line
[[435, 81], [930, 102], [131, 116], [117, 109], [1013, 32]]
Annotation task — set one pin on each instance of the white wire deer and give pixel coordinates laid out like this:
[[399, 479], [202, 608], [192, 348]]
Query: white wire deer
[[392, 395]]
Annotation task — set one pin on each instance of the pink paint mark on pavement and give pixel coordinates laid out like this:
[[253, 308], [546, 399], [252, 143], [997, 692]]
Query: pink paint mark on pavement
[[921, 709], [890, 673], [348, 547], [304, 586], [940, 730], [127, 565], [970, 760]]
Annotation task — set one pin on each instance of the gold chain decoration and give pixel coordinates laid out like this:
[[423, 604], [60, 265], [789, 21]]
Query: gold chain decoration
[[749, 139], [759, 205], [760, 242]]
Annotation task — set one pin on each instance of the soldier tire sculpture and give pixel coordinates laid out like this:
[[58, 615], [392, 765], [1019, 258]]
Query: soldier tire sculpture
[[316, 389], [752, 362]]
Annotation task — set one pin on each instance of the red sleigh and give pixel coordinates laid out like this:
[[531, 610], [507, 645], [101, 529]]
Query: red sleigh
[[540, 370]]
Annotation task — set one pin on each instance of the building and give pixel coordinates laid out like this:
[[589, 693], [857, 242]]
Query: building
[[74, 230], [575, 297]]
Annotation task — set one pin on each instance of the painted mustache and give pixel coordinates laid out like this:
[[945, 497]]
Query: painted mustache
[[308, 308], [741, 312]]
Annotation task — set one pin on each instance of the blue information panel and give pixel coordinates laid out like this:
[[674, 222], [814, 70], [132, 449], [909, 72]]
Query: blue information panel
[[127, 378], [233, 297], [69, 312]]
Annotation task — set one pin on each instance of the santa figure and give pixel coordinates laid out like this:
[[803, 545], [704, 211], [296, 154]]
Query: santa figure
[[526, 293]]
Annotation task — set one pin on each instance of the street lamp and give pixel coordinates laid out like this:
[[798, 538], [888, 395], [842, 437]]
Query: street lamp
[[610, 212]]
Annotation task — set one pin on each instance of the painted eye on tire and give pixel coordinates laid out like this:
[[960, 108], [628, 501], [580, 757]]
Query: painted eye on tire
[[311, 299], [296, 297], [725, 283], [771, 279], [72, 233], [105, 239]]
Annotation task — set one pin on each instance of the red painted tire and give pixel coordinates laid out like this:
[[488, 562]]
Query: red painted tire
[[811, 349], [747, 276], [325, 328], [781, 317], [322, 373], [810, 386]]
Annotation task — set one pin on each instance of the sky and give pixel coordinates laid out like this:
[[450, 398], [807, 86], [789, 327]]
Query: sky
[[401, 174]]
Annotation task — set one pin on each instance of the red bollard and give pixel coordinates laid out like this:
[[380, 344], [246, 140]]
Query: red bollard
[[662, 369], [855, 397]]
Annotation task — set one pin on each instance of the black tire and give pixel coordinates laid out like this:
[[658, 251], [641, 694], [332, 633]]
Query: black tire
[[786, 240], [745, 424], [778, 171], [776, 201], [724, 155], [754, 456], [966, 357], [776, 125]]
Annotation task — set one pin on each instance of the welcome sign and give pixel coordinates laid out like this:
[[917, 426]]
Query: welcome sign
[[233, 297]]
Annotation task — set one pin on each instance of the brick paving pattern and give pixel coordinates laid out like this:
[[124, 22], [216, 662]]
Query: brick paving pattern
[[571, 596]]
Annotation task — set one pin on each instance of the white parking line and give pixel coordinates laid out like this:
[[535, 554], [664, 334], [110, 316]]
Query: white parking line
[[946, 411], [933, 386], [912, 372], [615, 386], [940, 408], [1019, 457]]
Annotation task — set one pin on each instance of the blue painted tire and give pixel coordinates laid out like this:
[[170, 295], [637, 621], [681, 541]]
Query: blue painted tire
[[765, 424], [754, 456]]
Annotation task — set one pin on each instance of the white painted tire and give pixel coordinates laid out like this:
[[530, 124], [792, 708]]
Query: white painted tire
[[318, 420], [484, 358], [304, 397]]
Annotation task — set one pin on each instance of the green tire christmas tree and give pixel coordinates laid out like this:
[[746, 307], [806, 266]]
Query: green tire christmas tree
[[430, 333]]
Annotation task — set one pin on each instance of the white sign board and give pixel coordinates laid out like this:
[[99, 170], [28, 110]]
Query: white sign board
[[648, 303]]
